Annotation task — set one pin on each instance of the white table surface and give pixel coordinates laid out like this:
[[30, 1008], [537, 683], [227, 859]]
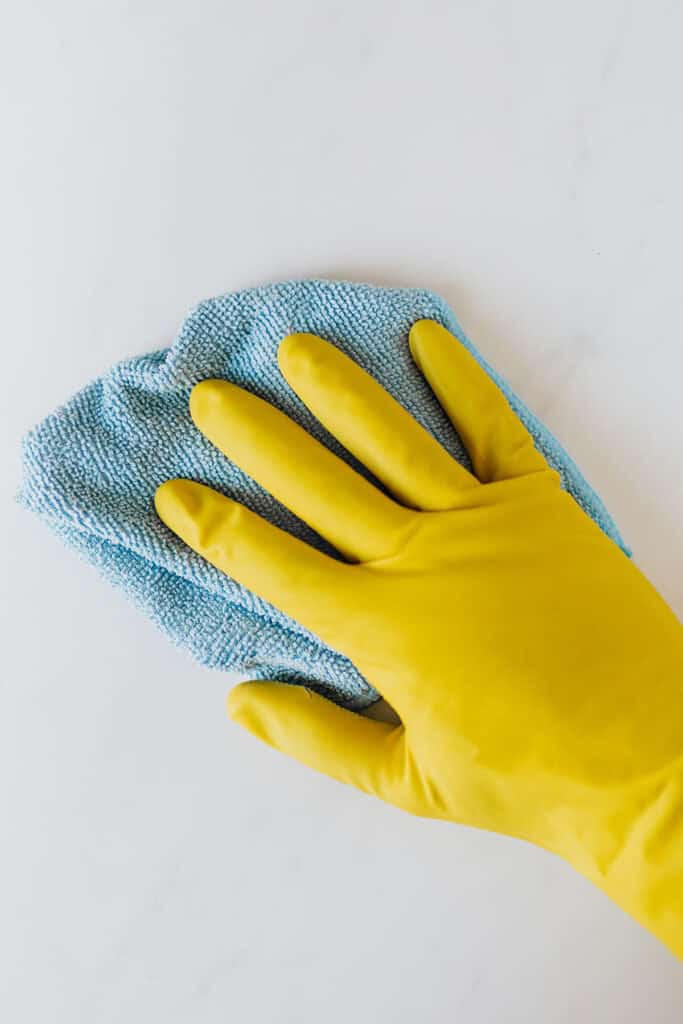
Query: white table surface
[[525, 160]]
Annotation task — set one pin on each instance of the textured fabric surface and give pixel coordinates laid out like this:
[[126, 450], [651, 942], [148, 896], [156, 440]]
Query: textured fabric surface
[[91, 467]]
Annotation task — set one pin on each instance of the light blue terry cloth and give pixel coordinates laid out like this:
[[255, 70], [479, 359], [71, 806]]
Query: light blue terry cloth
[[91, 468]]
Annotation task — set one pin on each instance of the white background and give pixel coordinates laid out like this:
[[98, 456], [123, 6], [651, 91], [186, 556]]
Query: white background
[[523, 159]]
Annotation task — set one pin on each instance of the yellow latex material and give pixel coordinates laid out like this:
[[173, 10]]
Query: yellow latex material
[[537, 675]]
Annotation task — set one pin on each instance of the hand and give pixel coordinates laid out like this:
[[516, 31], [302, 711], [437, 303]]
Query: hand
[[537, 675]]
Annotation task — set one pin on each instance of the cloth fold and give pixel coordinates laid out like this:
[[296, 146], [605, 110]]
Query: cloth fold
[[92, 466]]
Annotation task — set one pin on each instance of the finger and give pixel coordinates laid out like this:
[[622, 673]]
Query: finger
[[499, 445], [320, 488], [371, 424], [303, 583], [355, 750]]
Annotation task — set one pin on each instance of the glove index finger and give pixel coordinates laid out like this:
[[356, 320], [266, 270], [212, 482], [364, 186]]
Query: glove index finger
[[303, 583]]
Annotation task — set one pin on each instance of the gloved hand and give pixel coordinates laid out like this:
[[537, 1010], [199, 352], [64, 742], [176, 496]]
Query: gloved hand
[[537, 674]]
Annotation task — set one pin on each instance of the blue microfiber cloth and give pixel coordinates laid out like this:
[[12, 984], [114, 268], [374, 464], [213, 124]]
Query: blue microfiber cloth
[[91, 468]]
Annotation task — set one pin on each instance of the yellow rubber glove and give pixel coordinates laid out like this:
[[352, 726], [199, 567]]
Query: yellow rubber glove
[[537, 674]]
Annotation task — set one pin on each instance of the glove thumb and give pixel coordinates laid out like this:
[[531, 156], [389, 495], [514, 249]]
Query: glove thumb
[[359, 751]]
